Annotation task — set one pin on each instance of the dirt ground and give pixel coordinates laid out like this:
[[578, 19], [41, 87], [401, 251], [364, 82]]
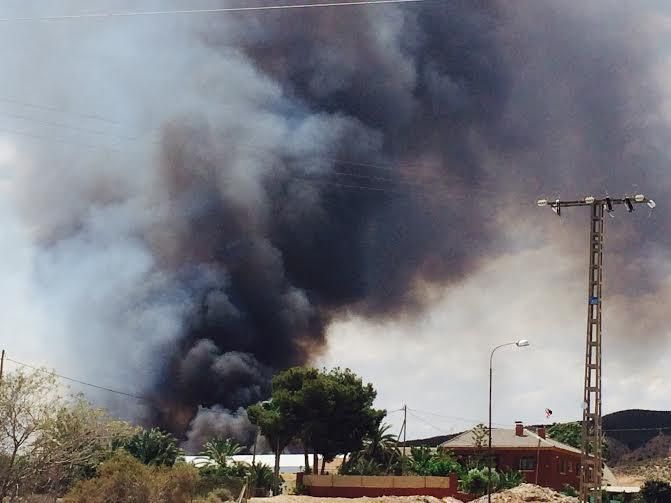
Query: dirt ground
[[385, 499], [526, 493]]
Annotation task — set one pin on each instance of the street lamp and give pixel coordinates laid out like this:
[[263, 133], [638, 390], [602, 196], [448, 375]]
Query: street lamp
[[520, 344]]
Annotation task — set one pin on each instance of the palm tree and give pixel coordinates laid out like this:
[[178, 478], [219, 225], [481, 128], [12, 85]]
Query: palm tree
[[220, 449], [154, 447], [262, 477], [380, 451], [381, 446]]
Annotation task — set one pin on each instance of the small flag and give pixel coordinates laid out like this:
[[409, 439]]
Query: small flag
[[548, 413]]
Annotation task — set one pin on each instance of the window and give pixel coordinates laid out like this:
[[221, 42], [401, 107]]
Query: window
[[570, 466], [527, 464], [563, 466]]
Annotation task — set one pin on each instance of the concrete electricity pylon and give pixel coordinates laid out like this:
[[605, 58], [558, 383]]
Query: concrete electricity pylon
[[591, 466]]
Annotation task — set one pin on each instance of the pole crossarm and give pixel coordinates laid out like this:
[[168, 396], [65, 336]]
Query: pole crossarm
[[591, 465], [607, 202]]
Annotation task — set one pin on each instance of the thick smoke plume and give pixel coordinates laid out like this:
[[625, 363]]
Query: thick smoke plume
[[288, 168]]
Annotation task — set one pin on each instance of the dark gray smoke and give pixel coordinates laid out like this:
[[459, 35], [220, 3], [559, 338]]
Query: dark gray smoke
[[217, 422], [467, 103], [327, 162]]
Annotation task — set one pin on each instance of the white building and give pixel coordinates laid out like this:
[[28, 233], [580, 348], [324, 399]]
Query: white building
[[289, 463]]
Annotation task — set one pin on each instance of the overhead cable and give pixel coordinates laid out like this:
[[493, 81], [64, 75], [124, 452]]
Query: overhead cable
[[222, 10]]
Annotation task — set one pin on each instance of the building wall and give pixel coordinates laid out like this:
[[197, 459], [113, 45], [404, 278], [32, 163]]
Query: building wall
[[555, 467]]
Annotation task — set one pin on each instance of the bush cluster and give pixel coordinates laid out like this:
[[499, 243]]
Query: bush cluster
[[123, 478]]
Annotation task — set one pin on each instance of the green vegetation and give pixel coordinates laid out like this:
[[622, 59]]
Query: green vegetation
[[379, 454], [569, 490], [656, 491], [566, 433], [331, 412], [571, 434], [153, 447], [124, 478], [439, 464], [48, 442], [219, 450], [62, 446], [474, 480]]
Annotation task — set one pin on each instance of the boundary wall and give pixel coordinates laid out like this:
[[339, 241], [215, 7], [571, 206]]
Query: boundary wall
[[357, 486]]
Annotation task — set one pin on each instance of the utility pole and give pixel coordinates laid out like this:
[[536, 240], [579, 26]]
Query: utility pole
[[2, 364], [405, 422], [591, 465], [398, 439]]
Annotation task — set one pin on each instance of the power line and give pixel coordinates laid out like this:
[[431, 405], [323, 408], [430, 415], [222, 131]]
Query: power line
[[433, 181], [78, 381], [440, 430], [223, 10], [463, 419], [66, 126], [639, 429], [457, 418], [437, 189], [48, 139], [50, 108]]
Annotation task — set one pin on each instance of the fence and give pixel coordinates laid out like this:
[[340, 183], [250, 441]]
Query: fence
[[357, 486]]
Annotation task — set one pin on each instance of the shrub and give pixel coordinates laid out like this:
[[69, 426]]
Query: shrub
[[569, 490], [262, 477], [474, 481], [439, 464], [122, 479], [509, 479], [656, 491], [361, 466], [213, 478], [178, 484], [220, 495]]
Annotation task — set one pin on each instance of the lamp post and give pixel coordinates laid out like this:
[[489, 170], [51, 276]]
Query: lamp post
[[520, 344]]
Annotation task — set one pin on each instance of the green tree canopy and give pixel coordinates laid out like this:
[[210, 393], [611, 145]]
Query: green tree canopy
[[220, 449], [566, 433], [330, 411], [571, 434], [153, 447]]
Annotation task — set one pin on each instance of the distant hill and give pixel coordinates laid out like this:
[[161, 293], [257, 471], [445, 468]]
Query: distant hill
[[635, 427], [431, 441]]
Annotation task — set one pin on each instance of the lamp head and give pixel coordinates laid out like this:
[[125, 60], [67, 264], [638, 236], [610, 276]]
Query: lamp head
[[522, 343]]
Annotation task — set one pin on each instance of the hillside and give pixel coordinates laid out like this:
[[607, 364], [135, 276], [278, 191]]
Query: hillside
[[430, 441], [635, 427]]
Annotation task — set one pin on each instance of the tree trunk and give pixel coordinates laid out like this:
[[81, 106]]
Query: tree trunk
[[344, 460], [307, 458], [4, 486], [315, 463], [323, 464], [277, 464]]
